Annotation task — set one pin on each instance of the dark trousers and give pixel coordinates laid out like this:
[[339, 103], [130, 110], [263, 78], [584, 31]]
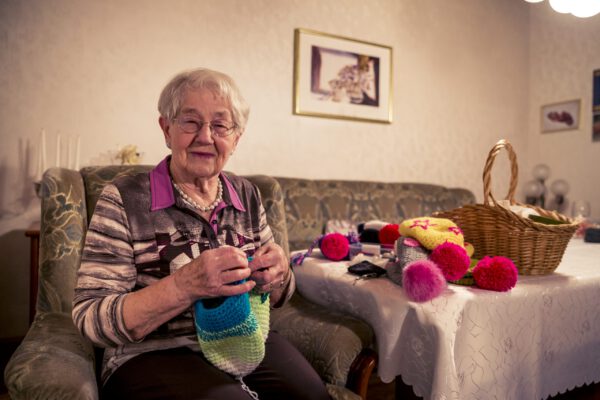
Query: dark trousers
[[179, 374]]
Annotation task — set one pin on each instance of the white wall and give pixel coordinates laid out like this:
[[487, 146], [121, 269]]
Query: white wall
[[461, 81], [96, 68], [565, 51]]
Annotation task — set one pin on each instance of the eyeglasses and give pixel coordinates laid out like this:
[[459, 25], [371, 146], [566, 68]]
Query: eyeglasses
[[217, 128]]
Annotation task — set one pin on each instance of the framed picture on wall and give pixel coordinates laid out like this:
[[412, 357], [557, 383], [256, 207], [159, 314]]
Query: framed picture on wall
[[339, 77], [561, 116]]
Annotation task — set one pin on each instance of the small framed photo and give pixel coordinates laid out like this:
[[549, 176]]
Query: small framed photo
[[339, 77], [561, 116]]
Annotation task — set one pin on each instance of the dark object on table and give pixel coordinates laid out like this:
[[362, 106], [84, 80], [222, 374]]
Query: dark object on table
[[592, 235], [366, 268]]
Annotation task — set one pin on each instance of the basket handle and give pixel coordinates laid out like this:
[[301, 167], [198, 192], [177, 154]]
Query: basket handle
[[514, 172]]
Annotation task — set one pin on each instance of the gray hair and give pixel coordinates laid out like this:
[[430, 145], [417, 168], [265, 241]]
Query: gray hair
[[171, 97]]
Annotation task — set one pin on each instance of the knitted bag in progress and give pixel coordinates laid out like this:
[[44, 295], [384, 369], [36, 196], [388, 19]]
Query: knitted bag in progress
[[232, 331]]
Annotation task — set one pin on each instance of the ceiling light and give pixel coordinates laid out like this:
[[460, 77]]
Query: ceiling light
[[561, 6], [578, 8]]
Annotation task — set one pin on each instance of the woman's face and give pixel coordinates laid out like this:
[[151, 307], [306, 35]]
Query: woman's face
[[199, 155]]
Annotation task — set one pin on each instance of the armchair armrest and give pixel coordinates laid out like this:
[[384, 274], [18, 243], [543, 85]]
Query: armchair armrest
[[53, 362], [272, 198], [329, 340]]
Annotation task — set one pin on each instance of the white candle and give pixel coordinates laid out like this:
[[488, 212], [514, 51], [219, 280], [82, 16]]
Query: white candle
[[38, 173], [58, 150], [68, 151], [77, 150], [43, 146], [40, 167]]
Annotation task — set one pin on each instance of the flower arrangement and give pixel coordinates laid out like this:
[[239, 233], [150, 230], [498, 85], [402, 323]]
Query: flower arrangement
[[129, 155]]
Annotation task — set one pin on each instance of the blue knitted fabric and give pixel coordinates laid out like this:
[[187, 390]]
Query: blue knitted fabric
[[232, 334]]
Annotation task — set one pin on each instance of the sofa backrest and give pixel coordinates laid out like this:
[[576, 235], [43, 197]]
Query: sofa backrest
[[309, 203], [297, 211], [95, 178]]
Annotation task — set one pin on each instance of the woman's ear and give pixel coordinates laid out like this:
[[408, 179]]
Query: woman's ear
[[165, 126], [236, 140]]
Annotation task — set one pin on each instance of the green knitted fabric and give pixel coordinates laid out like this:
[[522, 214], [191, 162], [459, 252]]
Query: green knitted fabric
[[467, 279], [232, 331]]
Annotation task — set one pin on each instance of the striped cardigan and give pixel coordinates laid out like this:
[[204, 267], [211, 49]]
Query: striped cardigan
[[142, 231]]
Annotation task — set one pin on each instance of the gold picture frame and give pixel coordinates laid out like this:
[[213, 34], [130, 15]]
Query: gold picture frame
[[561, 116], [342, 78]]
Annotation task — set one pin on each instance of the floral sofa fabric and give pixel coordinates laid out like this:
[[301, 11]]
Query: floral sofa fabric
[[309, 204], [55, 362]]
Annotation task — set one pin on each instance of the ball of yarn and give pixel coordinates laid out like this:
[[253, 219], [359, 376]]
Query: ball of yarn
[[495, 273], [423, 280], [389, 234], [334, 246], [452, 259]]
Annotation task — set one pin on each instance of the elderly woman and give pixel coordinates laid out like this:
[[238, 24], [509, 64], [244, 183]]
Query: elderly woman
[[179, 269]]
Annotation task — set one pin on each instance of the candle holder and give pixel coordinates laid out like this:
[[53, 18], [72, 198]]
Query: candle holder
[[533, 192], [541, 172], [559, 188], [536, 190]]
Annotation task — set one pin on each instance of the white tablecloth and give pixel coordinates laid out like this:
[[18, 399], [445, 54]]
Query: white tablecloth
[[540, 339]]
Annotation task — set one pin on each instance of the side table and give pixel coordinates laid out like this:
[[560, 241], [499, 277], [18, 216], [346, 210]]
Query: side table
[[538, 340], [34, 255]]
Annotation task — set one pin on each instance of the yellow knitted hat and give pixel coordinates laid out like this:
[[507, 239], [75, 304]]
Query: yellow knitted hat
[[431, 232], [470, 249]]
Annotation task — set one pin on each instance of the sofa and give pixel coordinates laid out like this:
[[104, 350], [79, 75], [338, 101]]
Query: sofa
[[55, 362]]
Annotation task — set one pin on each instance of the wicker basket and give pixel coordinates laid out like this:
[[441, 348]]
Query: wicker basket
[[535, 248]]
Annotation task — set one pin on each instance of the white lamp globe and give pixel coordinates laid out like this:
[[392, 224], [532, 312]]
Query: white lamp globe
[[541, 172], [561, 6], [559, 187], [533, 189], [585, 8]]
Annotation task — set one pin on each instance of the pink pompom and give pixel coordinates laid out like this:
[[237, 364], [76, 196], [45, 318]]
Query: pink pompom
[[422, 280], [452, 260], [388, 234], [334, 246], [495, 273]]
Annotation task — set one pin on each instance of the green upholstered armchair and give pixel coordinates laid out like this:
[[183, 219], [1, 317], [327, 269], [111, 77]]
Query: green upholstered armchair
[[55, 362]]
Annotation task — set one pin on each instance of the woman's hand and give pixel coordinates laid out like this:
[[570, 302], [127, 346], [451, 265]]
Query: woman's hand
[[270, 270], [214, 273]]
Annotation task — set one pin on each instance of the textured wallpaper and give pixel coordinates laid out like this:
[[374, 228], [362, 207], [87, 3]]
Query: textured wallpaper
[[564, 52], [95, 69]]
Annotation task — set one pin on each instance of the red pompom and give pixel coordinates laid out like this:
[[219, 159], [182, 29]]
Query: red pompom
[[452, 259], [495, 273], [389, 234], [334, 246]]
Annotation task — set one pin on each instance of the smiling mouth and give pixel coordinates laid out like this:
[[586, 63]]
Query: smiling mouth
[[201, 154]]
